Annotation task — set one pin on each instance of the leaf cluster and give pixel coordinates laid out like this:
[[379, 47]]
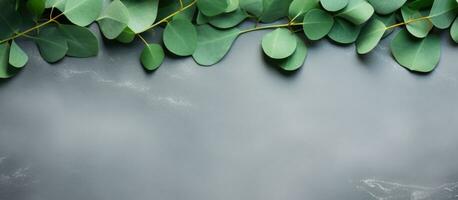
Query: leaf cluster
[[206, 29]]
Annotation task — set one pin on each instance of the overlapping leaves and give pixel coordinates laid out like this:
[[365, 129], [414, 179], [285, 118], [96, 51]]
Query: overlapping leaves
[[206, 29]]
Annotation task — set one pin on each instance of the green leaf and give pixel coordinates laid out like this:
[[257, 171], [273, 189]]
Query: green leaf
[[420, 4], [232, 5], [357, 11], [180, 37], [274, 10], [317, 24], [443, 13], [388, 20], [212, 7], [52, 44], [36, 7], [114, 19], [166, 8], [386, 6], [454, 30], [81, 41], [334, 5], [82, 12], [10, 20], [279, 43], [126, 36], [370, 36], [296, 60], [152, 56], [252, 6], [228, 20], [201, 19], [419, 29], [421, 55], [213, 44], [17, 58], [5, 70], [300, 7], [59, 4], [142, 14], [344, 32]]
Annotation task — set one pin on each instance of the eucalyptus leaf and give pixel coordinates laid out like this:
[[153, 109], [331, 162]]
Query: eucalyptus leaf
[[370, 36], [17, 57], [36, 7], [317, 24], [388, 20], [81, 41], [142, 14], [59, 4], [357, 11], [213, 44], [274, 10], [279, 43], [152, 56], [420, 4], [296, 60], [228, 20], [443, 12], [421, 55], [232, 5], [212, 7], [344, 32], [254, 7], [334, 5], [52, 44], [126, 36], [454, 30], [180, 37], [10, 20], [298, 8], [5, 70], [419, 29], [386, 6], [114, 19], [82, 12]]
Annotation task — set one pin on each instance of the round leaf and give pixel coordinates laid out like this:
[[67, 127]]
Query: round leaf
[[370, 36], [82, 12], [334, 5], [386, 6], [17, 58], [300, 7], [443, 13], [357, 11], [81, 41], [180, 37], [213, 44], [142, 14], [317, 24], [419, 29], [274, 10], [152, 56], [5, 70], [52, 44], [421, 55], [228, 20], [279, 43], [344, 32], [296, 60], [126, 36], [454, 31], [212, 7], [252, 6], [114, 19]]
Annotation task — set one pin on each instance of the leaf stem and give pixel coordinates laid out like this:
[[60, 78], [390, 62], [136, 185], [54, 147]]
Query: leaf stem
[[181, 4], [172, 15], [270, 27], [142, 39], [408, 22], [31, 29]]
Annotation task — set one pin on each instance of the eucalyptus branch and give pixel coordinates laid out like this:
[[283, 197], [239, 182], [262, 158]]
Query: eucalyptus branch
[[408, 22], [172, 15], [271, 26], [31, 29]]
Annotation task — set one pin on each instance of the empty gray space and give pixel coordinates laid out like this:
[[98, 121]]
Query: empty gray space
[[342, 127]]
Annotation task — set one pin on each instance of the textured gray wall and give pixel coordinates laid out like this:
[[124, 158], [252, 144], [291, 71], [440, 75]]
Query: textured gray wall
[[343, 127]]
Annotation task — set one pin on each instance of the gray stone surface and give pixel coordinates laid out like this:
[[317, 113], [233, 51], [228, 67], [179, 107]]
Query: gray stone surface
[[343, 127]]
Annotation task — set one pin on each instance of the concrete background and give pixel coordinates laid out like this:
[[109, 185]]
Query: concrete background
[[342, 127]]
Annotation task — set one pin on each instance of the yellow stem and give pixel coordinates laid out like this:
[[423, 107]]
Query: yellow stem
[[173, 14], [31, 29], [142, 39], [271, 26], [407, 22], [181, 4]]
